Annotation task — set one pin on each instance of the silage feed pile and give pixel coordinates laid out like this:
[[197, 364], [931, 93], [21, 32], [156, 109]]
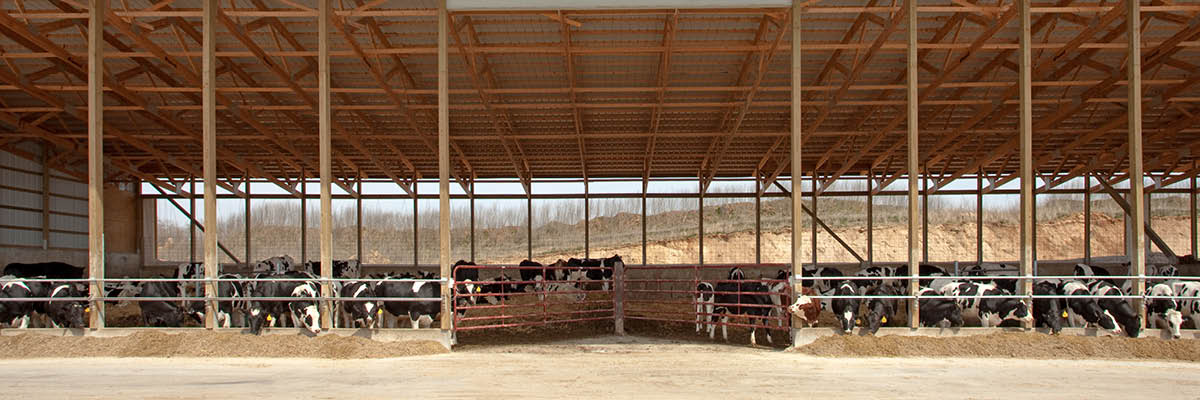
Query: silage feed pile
[[210, 344], [1005, 345]]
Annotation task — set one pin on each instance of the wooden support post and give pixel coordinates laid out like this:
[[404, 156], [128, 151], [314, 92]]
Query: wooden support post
[[472, 200], [416, 226], [325, 135], [95, 99], [529, 225], [1137, 258], [979, 218], [618, 297], [700, 189], [587, 219], [358, 222], [870, 218], [1026, 131], [249, 224], [191, 220], [444, 162], [813, 226], [924, 218], [1087, 218], [795, 144], [303, 217], [645, 187], [913, 158], [758, 187], [212, 260], [1192, 215], [46, 197]]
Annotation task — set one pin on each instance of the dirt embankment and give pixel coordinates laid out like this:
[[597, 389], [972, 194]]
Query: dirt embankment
[[210, 344], [1005, 345]]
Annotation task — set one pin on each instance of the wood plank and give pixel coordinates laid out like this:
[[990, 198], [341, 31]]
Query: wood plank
[[212, 261], [1025, 79], [1137, 213], [325, 126], [914, 247], [444, 163], [796, 117], [95, 151]]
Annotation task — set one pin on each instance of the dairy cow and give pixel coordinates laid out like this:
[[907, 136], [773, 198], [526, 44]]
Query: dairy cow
[[1083, 311], [846, 309], [19, 314], [1118, 307], [1048, 312], [880, 310], [985, 300], [365, 313], [67, 313], [160, 313], [50, 270], [806, 308], [935, 311], [1164, 311]]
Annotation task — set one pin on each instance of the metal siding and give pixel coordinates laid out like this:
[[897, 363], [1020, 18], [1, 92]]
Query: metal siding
[[20, 218], [68, 223], [20, 199], [20, 237], [23, 180], [67, 240], [73, 206], [69, 188]]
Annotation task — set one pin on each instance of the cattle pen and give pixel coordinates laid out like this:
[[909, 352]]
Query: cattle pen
[[614, 130]]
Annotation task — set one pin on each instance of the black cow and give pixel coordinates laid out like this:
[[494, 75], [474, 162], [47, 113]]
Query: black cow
[[225, 308], [364, 312], [51, 270], [341, 268], [934, 311], [846, 309], [417, 311], [1129, 320], [1009, 285], [531, 271], [67, 313], [880, 310], [20, 313], [983, 300], [1082, 311], [741, 298], [274, 265], [1091, 273], [302, 310], [1048, 312], [161, 313], [922, 270]]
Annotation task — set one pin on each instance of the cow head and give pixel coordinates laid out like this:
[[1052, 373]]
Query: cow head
[[846, 310], [1130, 321], [878, 310], [361, 310], [306, 311], [736, 274], [257, 317]]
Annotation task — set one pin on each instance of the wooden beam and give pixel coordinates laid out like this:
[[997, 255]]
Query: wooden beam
[[1137, 213], [443, 153], [1025, 79], [325, 126], [1106, 186], [914, 248], [212, 260], [797, 115], [95, 123]]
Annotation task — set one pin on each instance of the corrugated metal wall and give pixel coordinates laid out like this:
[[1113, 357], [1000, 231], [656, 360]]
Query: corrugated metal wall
[[21, 206]]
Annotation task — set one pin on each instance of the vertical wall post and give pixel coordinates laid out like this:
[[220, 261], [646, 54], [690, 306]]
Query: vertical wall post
[[813, 222], [757, 219], [325, 119], [416, 225], [1026, 132], [249, 222], [618, 297], [529, 223], [96, 160], [1192, 214], [979, 218], [46, 197], [870, 218], [209, 121], [913, 174], [701, 189], [444, 162], [1087, 218], [358, 225], [587, 219], [797, 116], [472, 200], [192, 220], [645, 187], [925, 219], [303, 216], [1137, 257]]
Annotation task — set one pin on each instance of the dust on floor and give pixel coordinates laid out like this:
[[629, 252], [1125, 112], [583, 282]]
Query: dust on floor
[[1005, 345], [210, 344]]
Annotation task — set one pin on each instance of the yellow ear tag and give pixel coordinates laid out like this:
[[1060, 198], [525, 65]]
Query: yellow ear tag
[[87, 309], [1064, 313], [270, 318], [858, 321], [478, 289], [884, 320], [379, 311]]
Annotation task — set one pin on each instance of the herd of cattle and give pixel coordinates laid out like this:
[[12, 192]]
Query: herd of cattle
[[1090, 300], [280, 292]]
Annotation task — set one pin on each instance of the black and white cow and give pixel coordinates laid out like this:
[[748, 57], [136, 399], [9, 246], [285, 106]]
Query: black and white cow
[[274, 265], [498, 289], [160, 313], [363, 312], [922, 270], [733, 299], [597, 269], [531, 271], [1189, 303], [1083, 311], [846, 309], [982, 299], [781, 296], [303, 310], [880, 310], [1168, 271], [67, 313], [19, 314], [466, 280], [51, 270], [1090, 273], [226, 309], [193, 270], [419, 312], [825, 284], [704, 307], [873, 271], [1048, 312], [934, 311], [1118, 307], [559, 278], [1009, 285], [341, 268], [1164, 311]]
